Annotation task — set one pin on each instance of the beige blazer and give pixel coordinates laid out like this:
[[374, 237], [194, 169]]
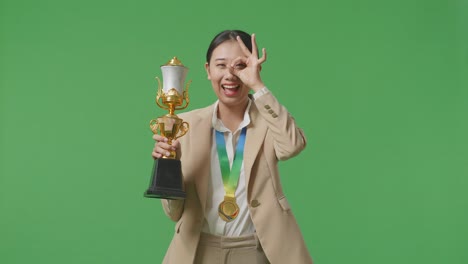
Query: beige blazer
[[272, 135]]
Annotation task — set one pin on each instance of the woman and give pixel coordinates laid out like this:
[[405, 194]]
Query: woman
[[235, 210]]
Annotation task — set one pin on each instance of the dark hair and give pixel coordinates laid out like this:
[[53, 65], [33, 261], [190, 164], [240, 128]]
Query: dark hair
[[228, 35]]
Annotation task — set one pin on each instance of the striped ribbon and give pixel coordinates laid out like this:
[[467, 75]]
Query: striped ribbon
[[230, 175]]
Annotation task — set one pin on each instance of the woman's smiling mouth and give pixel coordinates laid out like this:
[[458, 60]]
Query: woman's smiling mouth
[[230, 89]]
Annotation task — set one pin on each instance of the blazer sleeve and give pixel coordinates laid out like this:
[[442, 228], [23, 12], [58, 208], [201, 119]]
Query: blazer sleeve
[[289, 139], [173, 208]]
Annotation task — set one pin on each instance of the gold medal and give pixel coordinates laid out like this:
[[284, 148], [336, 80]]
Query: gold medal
[[228, 209]]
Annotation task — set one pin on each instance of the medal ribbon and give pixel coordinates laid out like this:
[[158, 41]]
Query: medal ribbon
[[230, 176]]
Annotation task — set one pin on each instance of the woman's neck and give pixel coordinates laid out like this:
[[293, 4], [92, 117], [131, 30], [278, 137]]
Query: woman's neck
[[232, 116]]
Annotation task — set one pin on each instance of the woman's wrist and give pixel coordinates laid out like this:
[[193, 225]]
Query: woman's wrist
[[258, 86]]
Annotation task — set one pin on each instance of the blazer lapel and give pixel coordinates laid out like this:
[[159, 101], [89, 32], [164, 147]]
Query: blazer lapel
[[256, 132], [202, 153]]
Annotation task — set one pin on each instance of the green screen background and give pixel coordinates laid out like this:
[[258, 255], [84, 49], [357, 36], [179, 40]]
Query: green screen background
[[379, 87]]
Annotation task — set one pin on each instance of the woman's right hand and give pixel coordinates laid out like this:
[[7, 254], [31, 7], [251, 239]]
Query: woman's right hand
[[162, 148]]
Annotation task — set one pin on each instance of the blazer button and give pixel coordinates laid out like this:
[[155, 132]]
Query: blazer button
[[270, 111], [254, 203], [267, 107]]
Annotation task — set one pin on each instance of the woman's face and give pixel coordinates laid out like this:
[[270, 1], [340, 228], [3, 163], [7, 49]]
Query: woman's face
[[228, 87]]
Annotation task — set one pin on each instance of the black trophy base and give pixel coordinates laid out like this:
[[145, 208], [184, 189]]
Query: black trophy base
[[166, 181]]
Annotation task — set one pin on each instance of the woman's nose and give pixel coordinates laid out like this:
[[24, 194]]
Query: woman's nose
[[229, 75]]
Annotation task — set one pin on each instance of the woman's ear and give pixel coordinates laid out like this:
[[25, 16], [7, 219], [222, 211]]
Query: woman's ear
[[207, 68]]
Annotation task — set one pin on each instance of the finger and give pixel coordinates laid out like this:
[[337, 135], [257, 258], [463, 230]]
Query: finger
[[162, 151], [243, 47], [175, 144], [234, 72], [264, 56], [254, 46], [159, 138], [163, 145], [156, 155], [239, 63], [234, 68]]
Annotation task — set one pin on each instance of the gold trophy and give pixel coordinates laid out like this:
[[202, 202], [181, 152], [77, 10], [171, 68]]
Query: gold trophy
[[166, 181]]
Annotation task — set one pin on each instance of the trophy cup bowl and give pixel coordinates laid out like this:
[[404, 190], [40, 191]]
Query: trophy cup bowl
[[166, 179]]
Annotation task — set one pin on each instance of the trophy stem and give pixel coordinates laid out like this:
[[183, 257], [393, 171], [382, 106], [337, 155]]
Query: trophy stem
[[171, 109]]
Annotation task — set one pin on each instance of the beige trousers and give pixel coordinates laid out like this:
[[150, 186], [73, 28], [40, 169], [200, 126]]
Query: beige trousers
[[229, 250]]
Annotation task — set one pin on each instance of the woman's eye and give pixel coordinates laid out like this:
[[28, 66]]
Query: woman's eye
[[240, 66], [220, 65]]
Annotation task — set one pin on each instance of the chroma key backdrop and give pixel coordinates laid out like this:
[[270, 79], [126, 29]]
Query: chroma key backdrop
[[379, 87]]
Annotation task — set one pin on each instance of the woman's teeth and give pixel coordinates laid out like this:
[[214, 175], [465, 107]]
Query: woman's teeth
[[230, 90], [230, 86]]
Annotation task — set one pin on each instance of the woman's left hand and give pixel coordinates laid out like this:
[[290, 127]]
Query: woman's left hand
[[247, 68]]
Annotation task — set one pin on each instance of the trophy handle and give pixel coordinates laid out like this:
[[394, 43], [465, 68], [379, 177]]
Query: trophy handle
[[184, 127], [154, 126], [160, 95], [186, 96]]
